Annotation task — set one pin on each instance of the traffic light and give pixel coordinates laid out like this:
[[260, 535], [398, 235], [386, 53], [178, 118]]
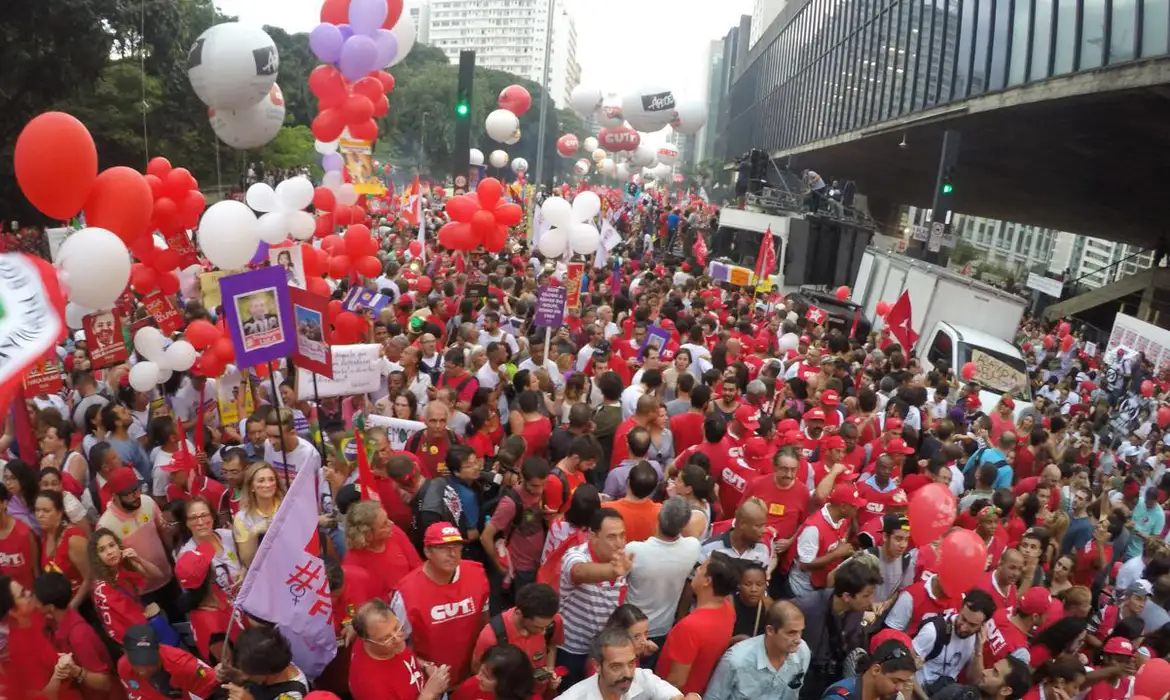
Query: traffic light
[[463, 95], [462, 109], [945, 184]]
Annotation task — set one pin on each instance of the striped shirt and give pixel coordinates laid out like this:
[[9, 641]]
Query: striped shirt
[[586, 607]]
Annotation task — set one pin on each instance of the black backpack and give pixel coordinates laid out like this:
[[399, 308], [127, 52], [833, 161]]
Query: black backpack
[[442, 383], [489, 509], [415, 440], [501, 632]]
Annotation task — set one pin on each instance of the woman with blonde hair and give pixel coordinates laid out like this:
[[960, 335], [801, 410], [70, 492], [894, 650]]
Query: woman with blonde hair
[[262, 494], [1056, 524], [375, 546]]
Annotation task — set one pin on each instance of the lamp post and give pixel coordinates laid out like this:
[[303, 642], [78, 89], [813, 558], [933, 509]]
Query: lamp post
[[544, 99]]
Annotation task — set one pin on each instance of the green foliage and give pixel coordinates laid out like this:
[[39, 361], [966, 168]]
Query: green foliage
[[292, 147]]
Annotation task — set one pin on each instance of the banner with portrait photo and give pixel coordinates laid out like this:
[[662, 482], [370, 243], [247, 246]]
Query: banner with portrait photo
[[234, 395], [291, 260], [311, 313], [103, 335], [258, 315], [359, 163], [164, 311]]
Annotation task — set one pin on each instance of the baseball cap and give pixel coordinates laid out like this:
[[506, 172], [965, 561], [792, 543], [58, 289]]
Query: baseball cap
[[1036, 601], [898, 446], [830, 398], [79, 337], [791, 437], [1140, 587], [748, 416], [805, 340], [814, 414], [1118, 645], [892, 522], [846, 495], [123, 480], [192, 566], [1008, 401], [442, 533], [893, 424], [889, 635], [833, 442], [788, 425], [141, 645], [757, 449]]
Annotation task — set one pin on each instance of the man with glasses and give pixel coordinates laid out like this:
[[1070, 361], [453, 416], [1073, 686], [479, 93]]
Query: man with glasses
[[890, 671], [383, 666]]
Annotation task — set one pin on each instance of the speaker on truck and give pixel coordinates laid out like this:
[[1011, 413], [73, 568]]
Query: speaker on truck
[[824, 252]]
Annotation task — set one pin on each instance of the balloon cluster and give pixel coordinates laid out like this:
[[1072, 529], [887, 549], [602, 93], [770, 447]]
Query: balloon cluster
[[177, 199], [233, 69], [355, 250], [571, 228], [479, 218], [283, 209], [160, 360], [215, 348], [155, 269], [365, 43], [348, 105], [337, 204], [347, 327], [503, 124]]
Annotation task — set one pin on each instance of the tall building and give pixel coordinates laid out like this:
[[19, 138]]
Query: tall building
[[1018, 248], [729, 55], [1095, 262], [419, 12], [763, 12], [509, 35]]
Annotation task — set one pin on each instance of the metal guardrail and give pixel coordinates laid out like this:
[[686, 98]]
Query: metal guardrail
[[782, 202]]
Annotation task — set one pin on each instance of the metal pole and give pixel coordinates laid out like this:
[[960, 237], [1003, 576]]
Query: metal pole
[[545, 98]]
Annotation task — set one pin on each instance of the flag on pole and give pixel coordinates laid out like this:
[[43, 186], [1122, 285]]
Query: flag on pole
[[410, 207], [286, 584], [766, 258], [898, 321], [365, 474], [816, 315]]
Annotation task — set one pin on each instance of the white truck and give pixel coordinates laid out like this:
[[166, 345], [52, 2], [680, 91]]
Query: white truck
[[958, 320]]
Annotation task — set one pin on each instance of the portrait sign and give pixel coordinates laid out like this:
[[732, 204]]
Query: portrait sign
[[103, 334], [258, 315], [290, 260], [311, 312]]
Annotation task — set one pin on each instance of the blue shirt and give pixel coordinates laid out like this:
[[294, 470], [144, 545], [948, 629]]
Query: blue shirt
[[991, 455], [131, 451], [745, 673], [1147, 521], [1080, 531], [470, 500]]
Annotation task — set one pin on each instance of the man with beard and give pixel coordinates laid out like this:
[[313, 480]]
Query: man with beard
[[948, 644], [618, 676], [891, 668], [137, 520]]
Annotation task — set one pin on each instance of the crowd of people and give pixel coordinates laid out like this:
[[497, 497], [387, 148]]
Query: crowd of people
[[591, 514]]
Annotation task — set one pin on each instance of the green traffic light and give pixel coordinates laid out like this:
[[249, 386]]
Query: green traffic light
[[462, 109], [948, 188]]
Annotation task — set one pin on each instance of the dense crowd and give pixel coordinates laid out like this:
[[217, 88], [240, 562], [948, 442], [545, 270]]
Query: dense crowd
[[589, 514]]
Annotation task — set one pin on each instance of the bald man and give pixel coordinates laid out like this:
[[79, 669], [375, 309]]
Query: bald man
[[431, 444], [744, 539], [1048, 482], [776, 660]]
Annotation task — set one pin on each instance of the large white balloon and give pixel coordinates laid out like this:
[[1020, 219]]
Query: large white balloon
[[649, 108], [513, 139], [252, 126], [144, 376], [475, 157], [75, 315], [589, 144], [498, 159], [553, 243], [585, 99], [584, 238], [232, 65], [609, 115], [581, 167], [274, 227], [690, 116], [325, 147], [295, 193], [501, 124], [663, 172], [229, 234], [622, 172], [648, 174], [788, 341], [643, 156], [346, 194], [557, 211], [179, 356], [405, 32], [668, 153], [95, 267], [519, 165], [586, 205], [149, 342]]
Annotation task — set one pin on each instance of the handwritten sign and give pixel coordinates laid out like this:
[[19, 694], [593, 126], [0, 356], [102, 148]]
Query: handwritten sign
[[397, 430], [357, 369], [993, 372]]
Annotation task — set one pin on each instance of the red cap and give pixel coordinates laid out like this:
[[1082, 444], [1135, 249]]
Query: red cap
[[973, 401], [748, 416], [886, 635], [757, 449], [1008, 401], [791, 437], [893, 424], [788, 425], [814, 414], [441, 534], [192, 566], [833, 442], [846, 495], [1036, 601], [830, 398], [898, 446], [1118, 645], [123, 480]]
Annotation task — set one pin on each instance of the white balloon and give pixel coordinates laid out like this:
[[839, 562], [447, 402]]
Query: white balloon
[[607, 167], [405, 32], [609, 115], [788, 341], [584, 238], [251, 126], [144, 376], [589, 144], [690, 115], [164, 374], [648, 174], [498, 159], [347, 195], [519, 165], [149, 342], [326, 147], [332, 180], [501, 125], [581, 166], [557, 211], [74, 313], [649, 108], [301, 225], [179, 356], [792, 317], [295, 192], [260, 197], [599, 155], [513, 139], [553, 242], [622, 172], [95, 267], [643, 156], [668, 153], [475, 157], [229, 234], [663, 172], [586, 205], [189, 281], [273, 227], [585, 99], [232, 65]]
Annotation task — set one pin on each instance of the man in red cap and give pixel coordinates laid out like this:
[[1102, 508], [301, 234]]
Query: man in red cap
[[877, 488], [442, 605], [743, 425], [831, 453], [1008, 630], [830, 402], [814, 430], [822, 543], [1118, 653], [891, 429], [210, 621], [736, 474]]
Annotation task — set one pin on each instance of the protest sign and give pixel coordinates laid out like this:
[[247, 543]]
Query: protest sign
[[163, 309], [357, 369], [311, 312], [258, 315], [103, 336], [550, 307]]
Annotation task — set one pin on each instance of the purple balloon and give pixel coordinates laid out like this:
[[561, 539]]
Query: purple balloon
[[332, 161], [261, 254], [346, 31], [366, 16], [325, 40], [387, 47], [359, 53]]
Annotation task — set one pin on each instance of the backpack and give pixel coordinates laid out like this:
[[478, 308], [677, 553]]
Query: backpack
[[489, 509], [942, 635], [415, 440], [501, 632], [442, 383], [969, 476], [556, 473]]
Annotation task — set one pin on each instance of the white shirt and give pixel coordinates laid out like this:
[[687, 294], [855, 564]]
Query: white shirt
[[700, 359], [554, 372], [646, 686], [951, 660], [630, 396], [500, 337], [490, 379], [303, 456], [187, 399], [807, 546], [159, 477], [658, 575], [583, 356], [611, 329], [939, 409]]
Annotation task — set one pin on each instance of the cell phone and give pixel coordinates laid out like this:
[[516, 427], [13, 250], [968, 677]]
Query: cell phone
[[542, 674]]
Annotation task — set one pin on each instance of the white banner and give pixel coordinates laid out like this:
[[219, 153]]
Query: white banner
[[398, 430], [357, 369], [1047, 285]]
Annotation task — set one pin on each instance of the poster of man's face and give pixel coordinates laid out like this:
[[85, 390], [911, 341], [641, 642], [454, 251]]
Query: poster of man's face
[[258, 315], [259, 324], [103, 333]]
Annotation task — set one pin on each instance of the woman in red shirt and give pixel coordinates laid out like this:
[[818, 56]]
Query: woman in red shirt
[[210, 612], [19, 558], [118, 576], [506, 674], [375, 546], [62, 545], [530, 424], [1095, 555]]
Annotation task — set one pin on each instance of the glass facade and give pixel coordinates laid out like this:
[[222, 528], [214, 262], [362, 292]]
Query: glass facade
[[837, 66]]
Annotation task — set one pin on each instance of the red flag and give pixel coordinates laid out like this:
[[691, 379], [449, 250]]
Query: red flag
[[856, 319], [26, 437], [766, 258], [816, 315], [365, 474], [701, 251], [410, 206], [898, 321]]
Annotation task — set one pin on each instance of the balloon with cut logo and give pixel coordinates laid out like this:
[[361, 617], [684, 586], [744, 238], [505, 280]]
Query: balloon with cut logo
[[567, 145], [250, 127]]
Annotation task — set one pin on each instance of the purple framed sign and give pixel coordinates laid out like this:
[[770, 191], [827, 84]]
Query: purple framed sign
[[258, 315], [550, 307]]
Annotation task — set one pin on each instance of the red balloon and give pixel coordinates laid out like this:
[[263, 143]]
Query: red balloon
[[358, 108], [415, 248], [350, 323], [368, 87], [932, 511], [324, 226], [364, 131], [191, 208], [456, 236], [56, 164], [177, 183], [962, 559], [323, 198], [120, 201], [1066, 343], [1153, 679], [337, 12], [339, 266], [165, 259], [223, 349], [201, 334], [158, 167], [969, 371], [1064, 329], [368, 266], [842, 293], [333, 244], [1163, 416], [210, 365], [386, 80], [494, 241], [568, 144], [357, 239], [381, 107], [328, 84], [622, 138], [483, 224], [1147, 388], [509, 214], [424, 284], [156, 186], [462, 208], [168, 282], [329, 124], [310, 261], [515, 99], [143, 278], [1048, 342], [489, 190], [166, 215], [344, 216], [883, 308], [317, 285], [335, 308]]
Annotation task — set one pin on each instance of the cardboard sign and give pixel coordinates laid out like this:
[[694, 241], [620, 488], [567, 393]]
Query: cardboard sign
[[573, 279], [44, 378], [258, 315], [992, 372], [357, 369], [550, 307], [234, 397], [182, 244], [209, 288], [656, 337], [164, 312], [310, 313], [103, 335]]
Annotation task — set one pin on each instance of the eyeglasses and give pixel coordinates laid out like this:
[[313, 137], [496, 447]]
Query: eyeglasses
[[895, 653]]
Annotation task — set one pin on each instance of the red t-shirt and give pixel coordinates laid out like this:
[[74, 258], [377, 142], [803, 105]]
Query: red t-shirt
[[1024, 464], [715, 451], [687, 430], [445, 619], [913, 482], [466, 380], [1121, 689], [186, 673], [787, 508], [397, 678], [117, 604], [554, 491], [621, 449], [1002, 638], [399, 513], [432, 457], [32, 652], [698, 641], [1025, 486], [534, 645], [75, 636], [211, 490], [1086, 568], [536, 434], [60, 561], [388, 567], [733, 480], [18, 554]]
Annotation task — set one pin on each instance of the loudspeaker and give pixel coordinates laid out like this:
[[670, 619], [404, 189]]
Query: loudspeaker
[[823, 252]]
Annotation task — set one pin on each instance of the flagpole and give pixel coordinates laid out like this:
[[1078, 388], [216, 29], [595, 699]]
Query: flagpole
[[279, 422], [320, 430]]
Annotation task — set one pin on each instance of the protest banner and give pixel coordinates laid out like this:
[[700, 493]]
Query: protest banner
[[357, 369]]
